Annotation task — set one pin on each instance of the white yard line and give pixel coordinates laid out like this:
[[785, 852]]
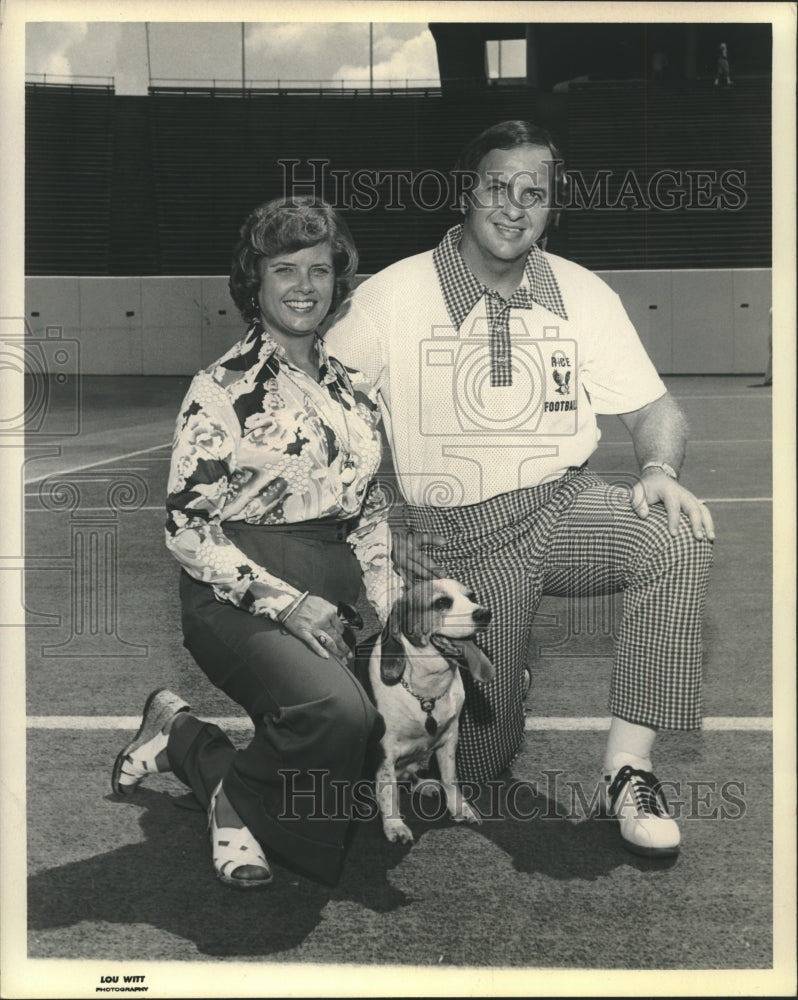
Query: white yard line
[[738, 499], [627, 443], [93, 465], [159, 447], [719, 723], [750, 395]]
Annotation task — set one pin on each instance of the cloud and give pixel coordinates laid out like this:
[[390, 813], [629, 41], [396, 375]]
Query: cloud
[[302, 51], [49, 46], [200, 52], [411, 59], [339, 51]]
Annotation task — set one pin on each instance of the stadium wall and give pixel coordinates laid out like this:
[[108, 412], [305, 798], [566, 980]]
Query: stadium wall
[[133, 203], [691, 321]]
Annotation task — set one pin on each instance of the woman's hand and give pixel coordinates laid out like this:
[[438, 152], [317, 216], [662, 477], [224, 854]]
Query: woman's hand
[[317, 624]]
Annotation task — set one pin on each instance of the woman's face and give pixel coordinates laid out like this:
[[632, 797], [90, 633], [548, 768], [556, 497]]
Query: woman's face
[[296, 290]]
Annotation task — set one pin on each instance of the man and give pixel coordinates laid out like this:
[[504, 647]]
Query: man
[[492, 358], [723, 71]]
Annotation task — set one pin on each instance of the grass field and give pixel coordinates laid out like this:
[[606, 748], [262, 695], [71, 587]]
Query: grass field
[[120, 887]]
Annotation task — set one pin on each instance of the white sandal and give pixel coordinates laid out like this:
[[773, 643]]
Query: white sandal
[[233, 849], [138, 759]]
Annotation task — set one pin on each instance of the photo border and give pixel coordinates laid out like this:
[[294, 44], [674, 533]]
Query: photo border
[[23, 977]]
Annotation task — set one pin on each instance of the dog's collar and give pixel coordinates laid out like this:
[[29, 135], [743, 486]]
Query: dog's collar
[[427, 705]]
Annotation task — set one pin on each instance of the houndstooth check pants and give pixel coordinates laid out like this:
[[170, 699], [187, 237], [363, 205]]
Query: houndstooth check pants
[[576, 536]]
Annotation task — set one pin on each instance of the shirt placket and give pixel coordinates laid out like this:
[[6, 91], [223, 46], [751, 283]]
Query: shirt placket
[[501, 356]]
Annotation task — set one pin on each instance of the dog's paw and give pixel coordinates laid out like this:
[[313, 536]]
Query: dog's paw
[[397, 832], [466, 814]]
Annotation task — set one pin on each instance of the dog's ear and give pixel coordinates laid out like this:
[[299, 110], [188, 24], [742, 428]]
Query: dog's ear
[[420, 632], [477, 664], [392, 654]]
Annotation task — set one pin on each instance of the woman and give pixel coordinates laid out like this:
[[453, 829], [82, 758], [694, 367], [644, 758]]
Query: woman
[[273, 520]]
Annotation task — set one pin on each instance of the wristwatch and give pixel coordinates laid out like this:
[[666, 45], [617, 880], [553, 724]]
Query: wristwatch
[[667, 469]]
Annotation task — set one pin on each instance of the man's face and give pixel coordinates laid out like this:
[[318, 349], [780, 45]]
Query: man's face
[[507, 212]]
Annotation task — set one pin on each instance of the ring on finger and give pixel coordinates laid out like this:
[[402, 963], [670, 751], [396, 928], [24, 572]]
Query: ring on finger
[[322, 638]]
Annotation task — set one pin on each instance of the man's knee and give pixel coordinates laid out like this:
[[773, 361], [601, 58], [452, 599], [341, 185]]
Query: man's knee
[[687, 545], [658, 545]]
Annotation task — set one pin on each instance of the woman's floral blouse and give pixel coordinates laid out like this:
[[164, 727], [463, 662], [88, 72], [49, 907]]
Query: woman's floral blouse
[[258, 440]]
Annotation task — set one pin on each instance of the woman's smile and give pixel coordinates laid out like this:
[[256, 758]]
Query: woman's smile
[[296, 291]]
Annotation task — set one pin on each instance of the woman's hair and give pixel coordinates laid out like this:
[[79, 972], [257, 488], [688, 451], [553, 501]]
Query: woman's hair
[[284, 226]]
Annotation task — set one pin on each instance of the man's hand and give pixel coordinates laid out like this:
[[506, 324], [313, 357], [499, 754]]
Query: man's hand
[[655, 486], [409, 557]]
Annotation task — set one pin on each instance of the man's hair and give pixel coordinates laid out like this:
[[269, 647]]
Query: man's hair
[[284, 226], [505, 135]]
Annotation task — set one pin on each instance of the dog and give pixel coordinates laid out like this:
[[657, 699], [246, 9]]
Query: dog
[[412, 673]]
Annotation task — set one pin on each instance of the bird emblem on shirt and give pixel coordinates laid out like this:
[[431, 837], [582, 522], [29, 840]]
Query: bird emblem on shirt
[[563, 383]]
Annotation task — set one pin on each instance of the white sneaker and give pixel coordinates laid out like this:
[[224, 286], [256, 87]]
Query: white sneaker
[[632, 795]]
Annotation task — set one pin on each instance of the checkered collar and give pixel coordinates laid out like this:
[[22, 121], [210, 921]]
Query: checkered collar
[[462, 289]]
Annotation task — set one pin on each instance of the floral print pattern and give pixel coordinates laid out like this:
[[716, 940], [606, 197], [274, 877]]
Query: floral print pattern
[[258, 440]]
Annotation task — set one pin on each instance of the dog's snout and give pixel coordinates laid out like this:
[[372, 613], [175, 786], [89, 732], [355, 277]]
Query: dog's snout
[[482, 616]]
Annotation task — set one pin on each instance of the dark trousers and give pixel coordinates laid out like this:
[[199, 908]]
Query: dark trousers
[[313, 721]]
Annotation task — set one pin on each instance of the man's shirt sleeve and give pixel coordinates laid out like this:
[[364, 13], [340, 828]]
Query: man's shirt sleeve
[[615, 369], [355, 337]]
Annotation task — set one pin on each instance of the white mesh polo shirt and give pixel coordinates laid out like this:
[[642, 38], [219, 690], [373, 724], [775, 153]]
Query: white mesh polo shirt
[[480, 395]]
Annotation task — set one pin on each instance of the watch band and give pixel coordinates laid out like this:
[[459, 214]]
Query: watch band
[[667, 469]]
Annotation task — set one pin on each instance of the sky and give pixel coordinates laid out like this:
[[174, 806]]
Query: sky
[[203, 52]]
